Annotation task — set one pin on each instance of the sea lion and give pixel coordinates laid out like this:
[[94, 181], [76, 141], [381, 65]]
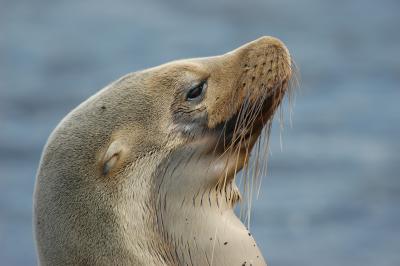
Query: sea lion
[[143, 172]]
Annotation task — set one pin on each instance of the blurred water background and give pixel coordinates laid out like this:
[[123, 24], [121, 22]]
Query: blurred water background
[[332, 193]]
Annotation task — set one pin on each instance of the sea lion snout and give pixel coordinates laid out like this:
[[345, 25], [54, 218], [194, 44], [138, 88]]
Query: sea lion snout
[[261, 71], [265, 63], [256, 71]]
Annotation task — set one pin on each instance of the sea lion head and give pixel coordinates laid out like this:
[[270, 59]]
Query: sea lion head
[[119, 169]]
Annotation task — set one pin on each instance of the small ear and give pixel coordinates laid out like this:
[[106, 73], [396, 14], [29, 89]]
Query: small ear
[[113, 156]]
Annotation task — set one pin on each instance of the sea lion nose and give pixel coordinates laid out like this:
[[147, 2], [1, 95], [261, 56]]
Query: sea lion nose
[[268, 41], [271, 41], [261, 47]]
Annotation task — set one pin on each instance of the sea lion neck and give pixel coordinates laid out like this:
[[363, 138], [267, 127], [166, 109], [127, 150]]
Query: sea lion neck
[[195, 219]]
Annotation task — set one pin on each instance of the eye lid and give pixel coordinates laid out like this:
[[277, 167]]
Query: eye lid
[[196, 91]]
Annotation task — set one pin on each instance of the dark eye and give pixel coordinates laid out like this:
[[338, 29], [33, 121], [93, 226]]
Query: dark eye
[[196, 92]]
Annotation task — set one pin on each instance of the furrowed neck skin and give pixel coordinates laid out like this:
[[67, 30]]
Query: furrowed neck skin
[[197, 219]]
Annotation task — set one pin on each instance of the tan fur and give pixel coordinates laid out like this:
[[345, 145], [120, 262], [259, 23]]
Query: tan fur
[[136, 175]]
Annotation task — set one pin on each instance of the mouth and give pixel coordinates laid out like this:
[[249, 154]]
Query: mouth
[[240, 132]]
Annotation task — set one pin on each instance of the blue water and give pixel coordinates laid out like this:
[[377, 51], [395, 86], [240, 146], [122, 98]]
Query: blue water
[[332, 195]]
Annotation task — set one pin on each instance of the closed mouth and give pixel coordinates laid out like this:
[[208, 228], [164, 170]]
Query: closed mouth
[[245, 126]]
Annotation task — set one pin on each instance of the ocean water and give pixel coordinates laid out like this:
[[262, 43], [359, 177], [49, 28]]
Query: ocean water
[[332, 194]]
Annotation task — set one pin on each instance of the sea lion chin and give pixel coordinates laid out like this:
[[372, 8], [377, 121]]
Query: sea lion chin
[[143, 172]]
